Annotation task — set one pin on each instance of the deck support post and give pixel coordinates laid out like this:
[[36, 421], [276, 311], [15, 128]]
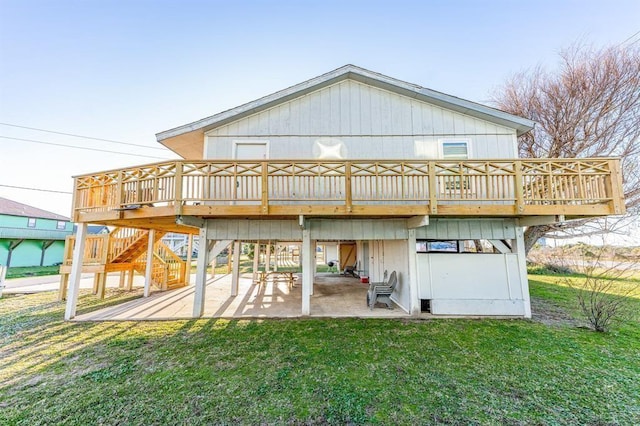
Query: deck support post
[[62, 291], [314, 263], [518, 247], [256, 260], [149, 267], [267, 262], [187, 277], [102, 284], [307, 271], [201, 273], [130, 280], [76, 272], [414, 306], [235, 276], [276, 254]]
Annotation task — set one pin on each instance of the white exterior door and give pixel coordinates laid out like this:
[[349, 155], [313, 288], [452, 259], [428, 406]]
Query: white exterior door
[[249, 180], [250, 151]]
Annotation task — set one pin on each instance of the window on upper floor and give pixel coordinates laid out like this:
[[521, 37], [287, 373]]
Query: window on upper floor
[[61, 225], [454, 149], [31, 222]]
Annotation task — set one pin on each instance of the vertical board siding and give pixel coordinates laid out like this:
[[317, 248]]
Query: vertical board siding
[[368, 121], [468, 229]]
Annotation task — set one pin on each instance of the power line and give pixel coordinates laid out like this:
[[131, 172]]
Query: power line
[[83, 147], [629, 38], [36, 189], [84, 137]]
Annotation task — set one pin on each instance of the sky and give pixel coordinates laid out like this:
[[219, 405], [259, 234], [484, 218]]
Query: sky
[[126, 70]]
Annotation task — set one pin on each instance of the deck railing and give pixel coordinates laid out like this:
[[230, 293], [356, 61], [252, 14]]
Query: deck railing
[[529, 186]]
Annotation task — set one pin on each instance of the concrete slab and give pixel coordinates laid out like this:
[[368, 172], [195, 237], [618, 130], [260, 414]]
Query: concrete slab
[[28, 285], [334, 296]]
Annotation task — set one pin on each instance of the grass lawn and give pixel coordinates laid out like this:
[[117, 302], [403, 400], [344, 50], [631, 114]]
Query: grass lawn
[[32, 271], [548, 370]]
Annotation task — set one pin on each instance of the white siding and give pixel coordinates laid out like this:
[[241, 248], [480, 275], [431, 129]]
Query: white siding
[[468, 229], [391, 256], [252, 230], [358, 229], [368, 122]]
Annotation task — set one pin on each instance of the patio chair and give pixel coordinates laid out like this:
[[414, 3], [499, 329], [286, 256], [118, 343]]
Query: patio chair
[[351, 270], [381, 292]]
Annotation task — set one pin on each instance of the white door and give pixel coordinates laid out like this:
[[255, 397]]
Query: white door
[[250, 151], [249, 179]]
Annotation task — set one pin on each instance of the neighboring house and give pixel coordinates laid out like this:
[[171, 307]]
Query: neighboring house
[[97, 230], [404, 178], [30, 236]]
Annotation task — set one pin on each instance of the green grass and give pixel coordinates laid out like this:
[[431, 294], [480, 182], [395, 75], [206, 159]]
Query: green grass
[[316, 371], [32, 271]]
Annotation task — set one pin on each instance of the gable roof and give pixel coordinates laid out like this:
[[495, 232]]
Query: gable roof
[[188, 140], [14, 208]]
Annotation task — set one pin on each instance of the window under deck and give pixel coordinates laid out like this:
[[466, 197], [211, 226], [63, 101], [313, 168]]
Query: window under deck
[[151, 196]]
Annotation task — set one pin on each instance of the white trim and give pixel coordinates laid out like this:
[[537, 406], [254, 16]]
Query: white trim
[[249, 142]]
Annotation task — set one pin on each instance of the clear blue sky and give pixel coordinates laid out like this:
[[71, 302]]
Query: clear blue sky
[[125, 70]]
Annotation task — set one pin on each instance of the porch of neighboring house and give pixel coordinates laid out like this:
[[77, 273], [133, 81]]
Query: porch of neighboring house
[[333, 296]]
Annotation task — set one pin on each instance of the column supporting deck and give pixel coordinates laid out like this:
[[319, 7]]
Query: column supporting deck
[[76, 272]]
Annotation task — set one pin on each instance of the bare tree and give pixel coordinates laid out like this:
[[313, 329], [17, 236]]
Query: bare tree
[[588, 107], [605, 293]]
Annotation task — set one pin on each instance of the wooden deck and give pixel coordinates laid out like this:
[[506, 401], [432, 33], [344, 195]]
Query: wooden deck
[[151, 196]]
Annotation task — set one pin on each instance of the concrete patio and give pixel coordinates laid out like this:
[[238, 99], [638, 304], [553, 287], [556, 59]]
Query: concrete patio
[[334, 296]]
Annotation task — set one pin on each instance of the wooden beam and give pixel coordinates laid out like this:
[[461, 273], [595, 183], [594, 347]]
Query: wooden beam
[[501, 246], [537, 220], [417, 222], [177, 204], [192, 221]]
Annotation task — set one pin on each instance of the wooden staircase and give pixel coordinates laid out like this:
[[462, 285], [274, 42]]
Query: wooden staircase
[[125, 250]]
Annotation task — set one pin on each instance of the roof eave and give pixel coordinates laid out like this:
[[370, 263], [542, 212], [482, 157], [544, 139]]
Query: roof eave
[[522, 125]]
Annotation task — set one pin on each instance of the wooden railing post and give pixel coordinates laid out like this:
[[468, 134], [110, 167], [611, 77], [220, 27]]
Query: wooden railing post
[[75, 215], [519, 187], [178, 188], [613, 186], [348, 197], [265, 188], [119, 190], [433, 188]]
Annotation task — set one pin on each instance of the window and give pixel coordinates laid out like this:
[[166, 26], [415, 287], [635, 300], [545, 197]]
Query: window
[[61, 225], [480, 246], [455, 149], [31, 222], [437, 246]]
